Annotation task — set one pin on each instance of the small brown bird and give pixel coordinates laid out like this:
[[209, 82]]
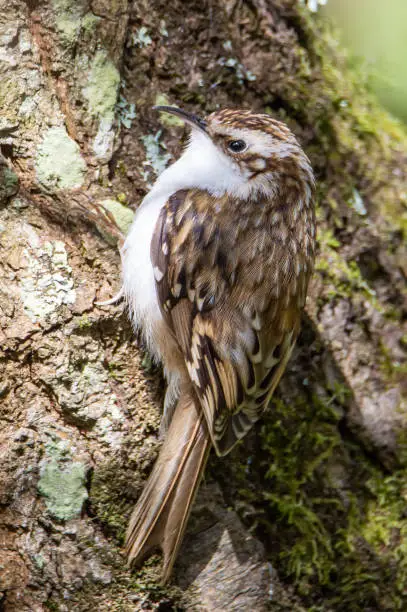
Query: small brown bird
[[215, 271]]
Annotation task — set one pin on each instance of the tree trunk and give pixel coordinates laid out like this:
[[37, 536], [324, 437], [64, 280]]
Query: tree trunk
[[307, 513]]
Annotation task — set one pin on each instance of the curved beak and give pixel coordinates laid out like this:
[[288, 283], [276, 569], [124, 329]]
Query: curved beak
[[190, 118]]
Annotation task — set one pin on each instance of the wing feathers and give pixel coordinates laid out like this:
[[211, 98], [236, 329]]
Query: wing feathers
[[222, 311]]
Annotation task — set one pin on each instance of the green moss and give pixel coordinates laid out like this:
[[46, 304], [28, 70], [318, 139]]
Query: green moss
[[298, 451], [147, 580], [102, 88], [333, 524], [346, 277], [58, 163], [84, 322], [385, 528], [107, 498], [394, 371], [116, 371]]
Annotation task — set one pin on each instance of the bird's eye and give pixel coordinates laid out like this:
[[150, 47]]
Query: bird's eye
[[237, 146]]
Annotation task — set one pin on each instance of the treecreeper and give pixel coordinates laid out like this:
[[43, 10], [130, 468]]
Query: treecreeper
[[216, 268]]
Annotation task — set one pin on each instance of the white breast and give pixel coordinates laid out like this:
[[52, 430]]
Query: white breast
[[138, 276]]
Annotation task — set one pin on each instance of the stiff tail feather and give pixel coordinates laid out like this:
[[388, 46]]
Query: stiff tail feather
[[161, 514]]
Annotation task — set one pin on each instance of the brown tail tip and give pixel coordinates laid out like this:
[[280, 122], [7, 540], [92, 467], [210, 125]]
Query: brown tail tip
[[161, 514]]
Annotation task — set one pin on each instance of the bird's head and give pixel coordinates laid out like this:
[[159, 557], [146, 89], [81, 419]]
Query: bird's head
[[240, 151]]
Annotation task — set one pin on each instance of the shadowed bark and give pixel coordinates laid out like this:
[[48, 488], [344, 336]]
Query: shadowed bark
[[307, 513]]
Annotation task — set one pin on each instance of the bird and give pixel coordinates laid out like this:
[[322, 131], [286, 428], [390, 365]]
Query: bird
[[215, 272]]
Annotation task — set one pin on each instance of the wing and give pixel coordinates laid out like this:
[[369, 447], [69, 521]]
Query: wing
[[224, 309]]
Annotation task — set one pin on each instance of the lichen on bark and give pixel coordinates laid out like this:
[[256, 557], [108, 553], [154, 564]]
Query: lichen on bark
[[62, 481], [58, 163]]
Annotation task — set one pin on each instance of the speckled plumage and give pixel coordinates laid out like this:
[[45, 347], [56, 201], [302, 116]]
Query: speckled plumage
[[230, 260], [236, 290]]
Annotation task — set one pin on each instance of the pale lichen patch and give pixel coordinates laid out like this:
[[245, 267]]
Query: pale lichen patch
[[62, 482], [67, 19], [102, 87], [103, 141], [101, 94], [46, 283], [157, 157], [71, 18], [58, 162], [141, 38], [122, 215]]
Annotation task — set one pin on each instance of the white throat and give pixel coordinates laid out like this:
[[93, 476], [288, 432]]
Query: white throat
[[204, 166]]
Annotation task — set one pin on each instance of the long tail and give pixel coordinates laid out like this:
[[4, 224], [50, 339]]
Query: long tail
[[161, 513]]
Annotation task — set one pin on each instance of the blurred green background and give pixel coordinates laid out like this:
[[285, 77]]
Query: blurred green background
[[376, 33]]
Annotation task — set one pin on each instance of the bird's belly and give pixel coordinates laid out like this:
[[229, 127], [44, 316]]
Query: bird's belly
[[138, 275]]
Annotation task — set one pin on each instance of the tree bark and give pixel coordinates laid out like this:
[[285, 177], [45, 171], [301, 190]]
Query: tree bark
[[307, 513]]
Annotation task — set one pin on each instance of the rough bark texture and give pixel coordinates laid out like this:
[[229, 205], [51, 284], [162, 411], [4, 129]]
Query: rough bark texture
[[308, 513]]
